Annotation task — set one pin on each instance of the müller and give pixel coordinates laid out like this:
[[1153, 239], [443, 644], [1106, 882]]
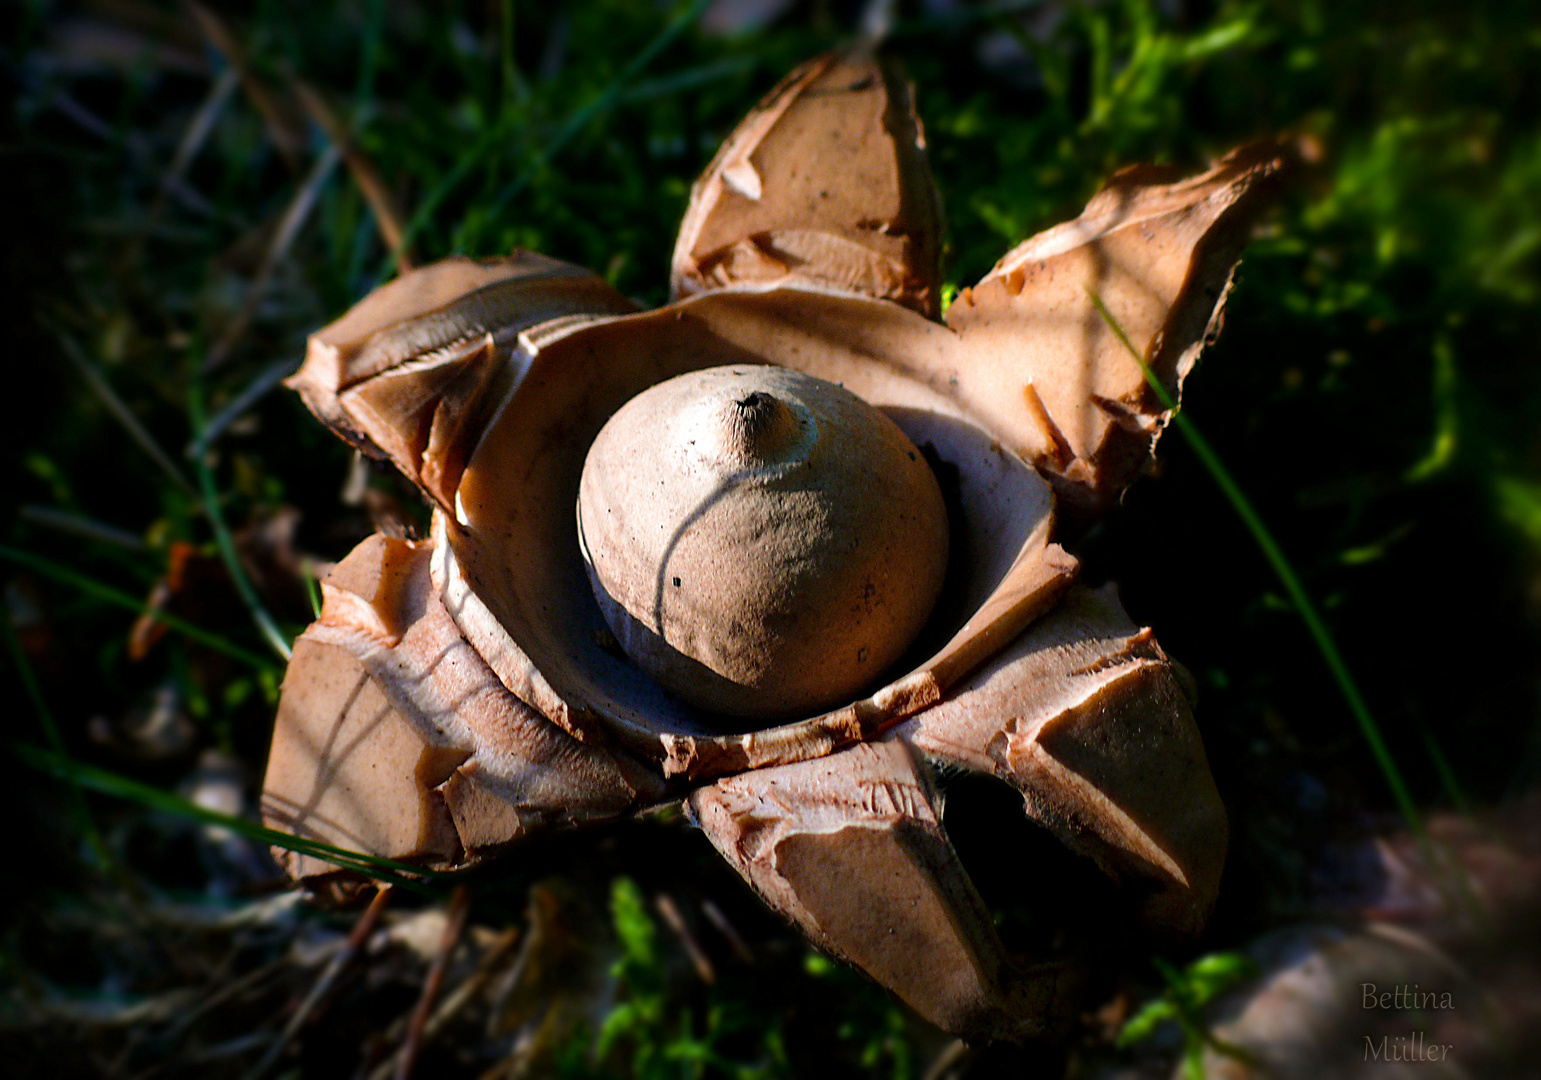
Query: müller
[[1405, 1048]]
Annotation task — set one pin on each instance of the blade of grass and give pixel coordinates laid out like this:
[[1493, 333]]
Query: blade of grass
[[1447, 778], [198, 132], [416, 878], [92, 587], [1447, 417], [285, 138], [369, 58], [431, 199], [79, 525], [259, 613], [313, 589], [496, 135], [689, 79], [79, 810], [514, 88], [1519, 503], [1276, 558], [133, 144], [382, 205], [605, 99], [289, 225], [266, 382], [120, 410]]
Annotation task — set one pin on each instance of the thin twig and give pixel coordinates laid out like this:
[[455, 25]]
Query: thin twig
[[715, 916], [478, 980], [266, 103], [877, 21], [528, 946], [406, 1057], [364, 927], [241, 1044], [388, 218], [698, 958], [289, 225], [133, 143], [947, 1060], [216, 997], [197, 134]]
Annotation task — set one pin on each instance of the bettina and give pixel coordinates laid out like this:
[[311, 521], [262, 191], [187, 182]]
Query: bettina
[[1405, 997]]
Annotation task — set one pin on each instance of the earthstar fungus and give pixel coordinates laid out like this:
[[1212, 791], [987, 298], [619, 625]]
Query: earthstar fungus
[[460, 693]]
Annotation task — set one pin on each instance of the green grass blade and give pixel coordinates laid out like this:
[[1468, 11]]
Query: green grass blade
[[1447, 416], [428, 205], [79, 525], [259, 613], [94, 588], [1519, 503], [111, 783], [313, 589], [514, 88], [369, 58], [689, 79], [78, 808], [1447, 778], [1286, 575], [496, 136], [1143, 1024], [265, 383], [602, 101]]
